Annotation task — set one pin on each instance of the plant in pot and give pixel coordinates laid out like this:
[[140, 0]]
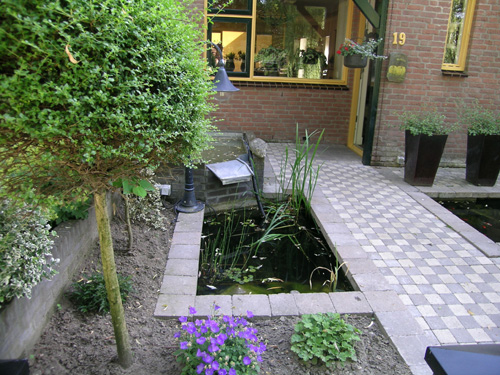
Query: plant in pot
[[426, 133], [230, 61], [242, 57], [313, 63], [272, 59], [483, 143], [357, 55]]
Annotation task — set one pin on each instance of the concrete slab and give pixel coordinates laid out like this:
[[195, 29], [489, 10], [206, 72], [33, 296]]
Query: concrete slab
[[205, 305], [182, 267], [350, 303], [398, 323], [384, 301], [283, 304], [169, 305], [312, 303], [183, 285], [184, 252], [258, 304]]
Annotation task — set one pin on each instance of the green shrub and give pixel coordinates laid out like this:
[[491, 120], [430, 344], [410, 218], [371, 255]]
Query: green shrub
[[76, 210], [89, 293], [427, 122], [25, 250], [93, 91], [325, 337]]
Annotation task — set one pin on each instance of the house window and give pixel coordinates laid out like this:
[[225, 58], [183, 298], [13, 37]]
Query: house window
[[281, 40], [457, 39]]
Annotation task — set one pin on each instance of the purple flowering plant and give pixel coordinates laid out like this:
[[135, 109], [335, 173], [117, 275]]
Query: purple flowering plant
[[218, 345]]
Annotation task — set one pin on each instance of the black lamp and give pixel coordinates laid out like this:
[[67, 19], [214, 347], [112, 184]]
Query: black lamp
[[188, 204]]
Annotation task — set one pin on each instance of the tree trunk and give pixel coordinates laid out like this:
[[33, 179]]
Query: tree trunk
[[129, 225], [111, 280]]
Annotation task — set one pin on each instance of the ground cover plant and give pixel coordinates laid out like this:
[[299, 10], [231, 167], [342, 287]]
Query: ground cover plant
[[25, 249], [326, 338], [219, 344]]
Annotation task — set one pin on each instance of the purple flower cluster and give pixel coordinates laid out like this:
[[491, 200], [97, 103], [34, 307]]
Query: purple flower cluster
[[221, 345]]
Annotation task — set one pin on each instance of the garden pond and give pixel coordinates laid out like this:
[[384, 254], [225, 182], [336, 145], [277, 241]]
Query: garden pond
[[243, 253], [482, 214]]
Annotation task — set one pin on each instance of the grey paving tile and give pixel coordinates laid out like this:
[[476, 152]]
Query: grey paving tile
[[312, 303], [350, 303], [258, 304], [184, 251], [179, 285], [173, 305], [384, 301], [398, 323], [182, 267], [283, 304], [205, 305]]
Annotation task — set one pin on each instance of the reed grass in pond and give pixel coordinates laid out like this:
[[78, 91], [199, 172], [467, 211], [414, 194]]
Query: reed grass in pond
[[243, 253], [482, 214]]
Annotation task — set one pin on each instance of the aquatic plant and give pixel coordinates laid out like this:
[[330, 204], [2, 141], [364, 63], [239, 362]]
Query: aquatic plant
[[298, 174], [223, 345]]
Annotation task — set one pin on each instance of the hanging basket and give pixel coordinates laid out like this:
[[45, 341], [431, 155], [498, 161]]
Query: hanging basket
[[355, 61]]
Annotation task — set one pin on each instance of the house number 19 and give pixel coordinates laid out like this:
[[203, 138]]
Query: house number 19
[[399, 38]]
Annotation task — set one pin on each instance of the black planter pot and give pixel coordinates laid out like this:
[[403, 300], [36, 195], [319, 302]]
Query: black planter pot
[[483, 159], [355, 61], [422, 156]]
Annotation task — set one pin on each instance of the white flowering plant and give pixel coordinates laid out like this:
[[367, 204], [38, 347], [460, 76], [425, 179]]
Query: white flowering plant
[[25, 250], [365, 49], [219, 345]]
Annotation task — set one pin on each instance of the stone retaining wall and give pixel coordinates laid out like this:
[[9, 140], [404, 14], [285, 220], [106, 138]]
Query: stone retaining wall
[[23, 320]]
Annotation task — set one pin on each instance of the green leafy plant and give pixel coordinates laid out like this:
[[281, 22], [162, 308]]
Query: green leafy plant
[[365, 49], [312, 56], [223, 345], [298, 174], [25, 250], [271, 56], [74, 210], [479, 119], [324, 338], [427, 122], [89, 293]]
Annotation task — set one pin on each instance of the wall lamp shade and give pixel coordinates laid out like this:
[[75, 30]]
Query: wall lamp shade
[[222, 82]]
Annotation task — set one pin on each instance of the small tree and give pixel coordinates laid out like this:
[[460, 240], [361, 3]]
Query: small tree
[[92, 92]]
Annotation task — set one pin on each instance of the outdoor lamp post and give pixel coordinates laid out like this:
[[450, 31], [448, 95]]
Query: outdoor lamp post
[[188, 204]]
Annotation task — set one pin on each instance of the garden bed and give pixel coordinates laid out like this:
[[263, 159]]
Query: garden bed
[[74, 343]]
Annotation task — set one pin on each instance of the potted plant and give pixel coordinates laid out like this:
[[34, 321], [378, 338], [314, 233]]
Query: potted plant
[[242, 57], [357, 55], [483, 144], [272, 59], [230, 61], [426, 133], [313, 62]]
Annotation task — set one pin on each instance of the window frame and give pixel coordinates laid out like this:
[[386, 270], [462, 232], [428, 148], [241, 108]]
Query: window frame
[[246, 21], [464, 45], [234, 15]]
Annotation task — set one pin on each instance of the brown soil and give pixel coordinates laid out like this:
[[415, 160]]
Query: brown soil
[[75, 343]]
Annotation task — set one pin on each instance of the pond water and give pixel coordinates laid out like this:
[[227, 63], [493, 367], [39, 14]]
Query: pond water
[[243, 253], [482, 214]]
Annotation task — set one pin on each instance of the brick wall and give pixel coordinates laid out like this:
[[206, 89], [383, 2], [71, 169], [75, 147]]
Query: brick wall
[[425, 24], [272, 111]]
